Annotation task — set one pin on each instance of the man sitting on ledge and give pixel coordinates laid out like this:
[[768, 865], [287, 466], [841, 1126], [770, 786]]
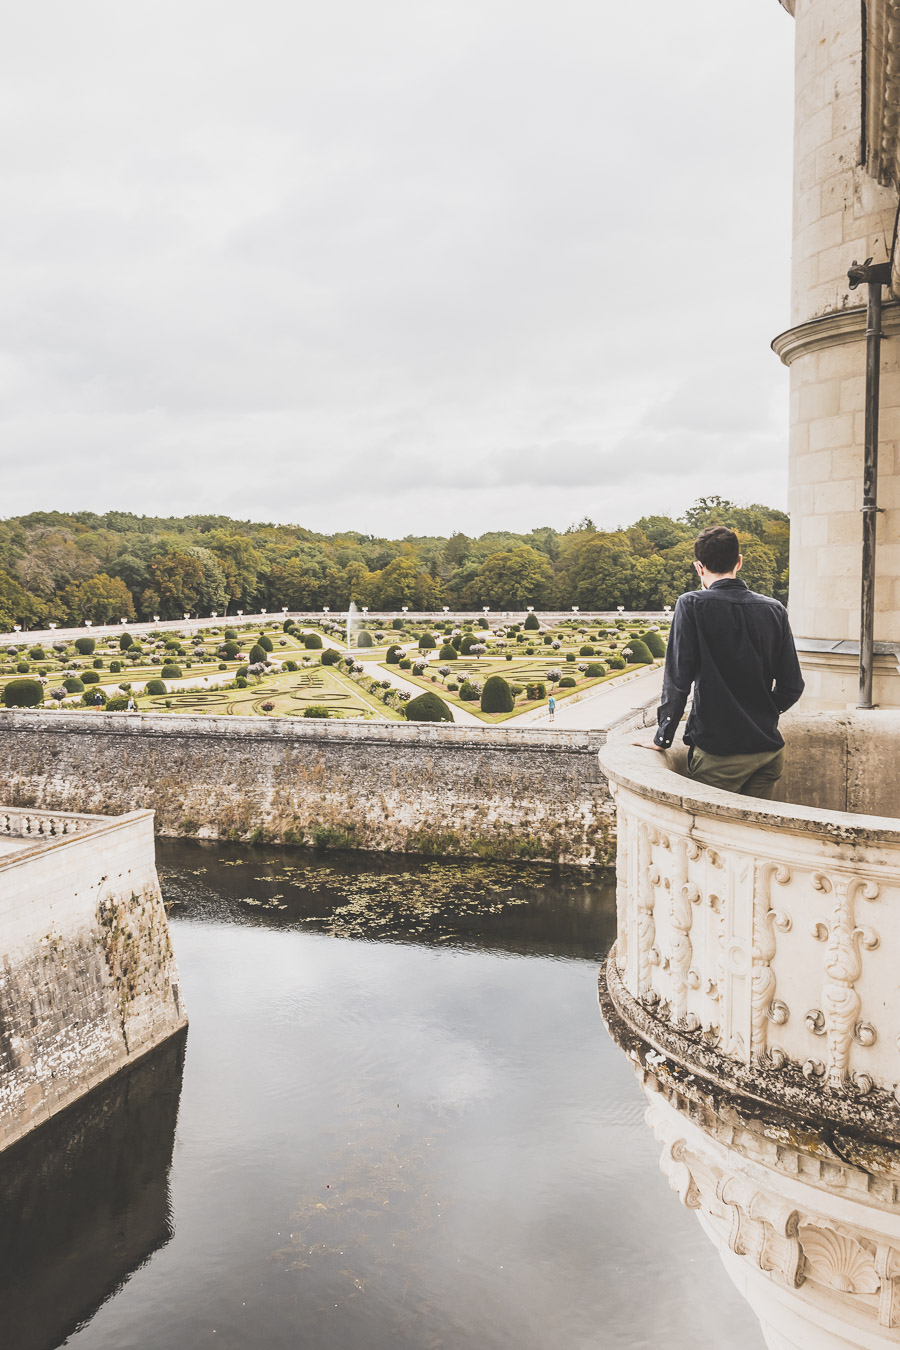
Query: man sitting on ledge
[[735, 647]]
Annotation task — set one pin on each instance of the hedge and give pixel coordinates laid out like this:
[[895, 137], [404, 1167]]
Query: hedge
[[23, 694], [428, 707], [496, 696]]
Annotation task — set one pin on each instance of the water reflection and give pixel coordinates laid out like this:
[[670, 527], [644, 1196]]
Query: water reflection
[[417, 1137], [86, 1202]]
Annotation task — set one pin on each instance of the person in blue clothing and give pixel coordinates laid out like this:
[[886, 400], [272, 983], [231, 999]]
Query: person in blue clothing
[[551, 704], [736, 650]]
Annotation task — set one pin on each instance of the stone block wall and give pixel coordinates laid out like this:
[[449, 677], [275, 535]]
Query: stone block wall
[[87, 977], [423, 788]]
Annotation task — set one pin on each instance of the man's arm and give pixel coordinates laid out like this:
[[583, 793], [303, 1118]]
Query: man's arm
[[788, 680], [682, 664]]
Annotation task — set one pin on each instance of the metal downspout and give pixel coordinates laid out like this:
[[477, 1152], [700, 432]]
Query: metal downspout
[[875, 277]]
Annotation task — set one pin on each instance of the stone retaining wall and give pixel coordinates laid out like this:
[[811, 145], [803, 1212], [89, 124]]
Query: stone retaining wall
[[88, 981], [434, 789]]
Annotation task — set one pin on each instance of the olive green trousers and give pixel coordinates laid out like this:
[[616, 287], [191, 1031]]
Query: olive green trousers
[[750, 775]]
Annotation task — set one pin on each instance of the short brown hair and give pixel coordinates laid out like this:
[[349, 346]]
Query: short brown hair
[[717, 548]]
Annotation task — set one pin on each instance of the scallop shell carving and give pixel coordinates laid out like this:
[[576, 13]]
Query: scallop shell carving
[[838, 1261]]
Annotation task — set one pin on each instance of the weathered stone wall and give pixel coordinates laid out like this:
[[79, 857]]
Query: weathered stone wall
[[87, 977], [433, 788]]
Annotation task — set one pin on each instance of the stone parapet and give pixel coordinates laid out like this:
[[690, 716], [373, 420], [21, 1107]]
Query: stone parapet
[[753, 985]]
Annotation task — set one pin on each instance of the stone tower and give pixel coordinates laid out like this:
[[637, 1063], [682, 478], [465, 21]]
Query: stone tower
[[847, 106]]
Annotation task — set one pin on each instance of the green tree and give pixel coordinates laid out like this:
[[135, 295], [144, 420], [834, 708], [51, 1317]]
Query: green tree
[[101, 598], [512, 579]]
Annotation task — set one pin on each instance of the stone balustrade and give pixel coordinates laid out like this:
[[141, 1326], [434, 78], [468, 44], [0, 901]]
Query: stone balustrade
[[25, 823], [754, 985]]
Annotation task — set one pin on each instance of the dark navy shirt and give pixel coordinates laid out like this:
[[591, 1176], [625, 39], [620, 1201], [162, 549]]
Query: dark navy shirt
[[735, 647]]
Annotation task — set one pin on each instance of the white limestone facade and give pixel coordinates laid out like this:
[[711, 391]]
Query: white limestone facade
[[753, 985], [845, 207]]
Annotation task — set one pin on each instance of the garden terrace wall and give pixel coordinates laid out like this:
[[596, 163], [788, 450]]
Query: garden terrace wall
[[434, 789]]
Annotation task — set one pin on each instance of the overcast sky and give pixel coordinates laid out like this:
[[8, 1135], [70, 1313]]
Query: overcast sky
[[401, 266]]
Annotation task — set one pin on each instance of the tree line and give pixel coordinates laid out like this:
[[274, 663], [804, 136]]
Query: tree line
[[66, 567]]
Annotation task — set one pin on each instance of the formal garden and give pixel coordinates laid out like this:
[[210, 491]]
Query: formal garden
[[496, 672]]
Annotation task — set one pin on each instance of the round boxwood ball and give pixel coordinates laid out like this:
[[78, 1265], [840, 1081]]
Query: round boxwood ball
[[72, 685], [594, 670], [428, 707], [85, 645], [397, 624], [258, 655], [23, 694], [90, 677], [496, 696], [654, 644], [230, 634], [154, 687], [364, 638], [23, 667], [264, 642], [125, 641], [394, 653], [37, 654], [531, 622], [586, 650], [448, 652], [567, 682], [312, 641], [170, 672], [640, 654], [426, 643], [616, 663], [118, 703], [330, 656]]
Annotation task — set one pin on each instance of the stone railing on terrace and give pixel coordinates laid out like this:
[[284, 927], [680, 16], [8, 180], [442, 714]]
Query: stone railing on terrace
[[763, 932], [27, 823], [754, 986]]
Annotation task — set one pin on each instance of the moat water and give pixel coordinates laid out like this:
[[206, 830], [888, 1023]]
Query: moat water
[[397, 1123]]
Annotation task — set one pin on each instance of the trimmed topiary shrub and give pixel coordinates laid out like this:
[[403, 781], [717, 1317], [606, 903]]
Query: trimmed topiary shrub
[[330, 657], [616, 663], [586, 650], [570, 656], [312, 642], [595, 670], [364, 638], [95, 698], [470, 691], [23, 667], [155, 688], [230, 649], [240, 682], [230, 634], [397, 624], [118, 703], [482, 622], [394, 653], [85, 645], [467, 642], [316, 710], [654, 644], [264, 642], [90, 677], [291, 666], [23, 694], [531, 623], [567, 682], [496, 696], [640, 655], [288, 625], [536, 689], [97, 663], [125, 641], [115, 667], [72, 685], [404, 663], [170, 673], [37, 654], [448, 652], [428, 707], [426, 644], [258, 655]]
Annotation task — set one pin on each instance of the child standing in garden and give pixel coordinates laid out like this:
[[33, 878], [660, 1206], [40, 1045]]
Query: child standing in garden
[[551, 704]]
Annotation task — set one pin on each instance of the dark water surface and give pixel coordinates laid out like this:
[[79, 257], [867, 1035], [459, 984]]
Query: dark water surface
[[401, 1124]]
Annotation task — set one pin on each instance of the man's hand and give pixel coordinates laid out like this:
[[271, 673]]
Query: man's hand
[[649, 745]]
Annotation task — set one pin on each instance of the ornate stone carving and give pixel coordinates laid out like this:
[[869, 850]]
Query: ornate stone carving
[[765, 922], [843, 966], [838, 1261], [681, 915]]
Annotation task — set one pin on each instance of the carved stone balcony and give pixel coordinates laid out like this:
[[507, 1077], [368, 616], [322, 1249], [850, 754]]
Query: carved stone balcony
[[754, 982]]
